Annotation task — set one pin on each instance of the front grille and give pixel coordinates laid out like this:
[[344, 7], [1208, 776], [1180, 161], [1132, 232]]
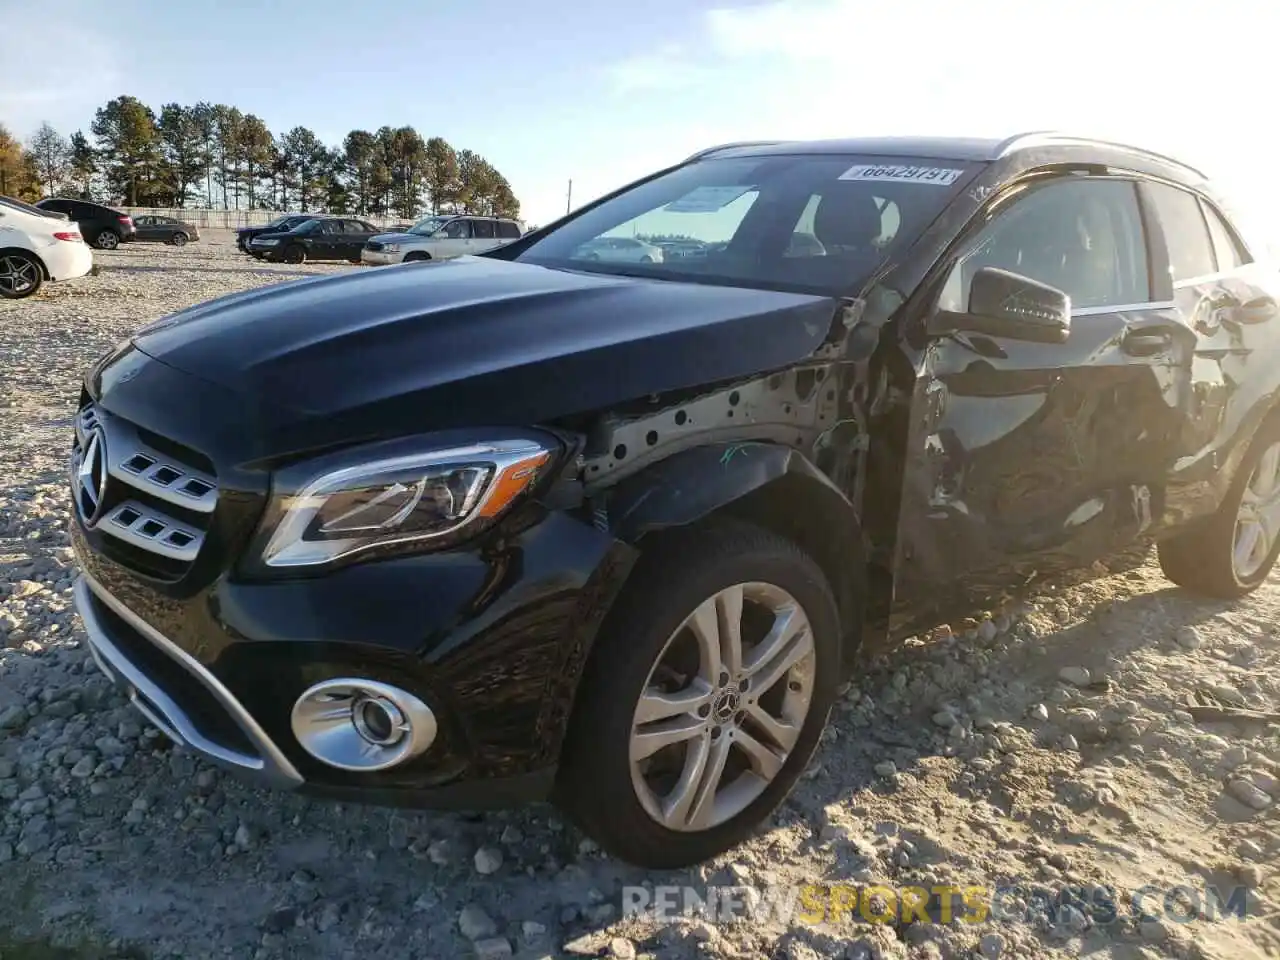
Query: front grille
[[373, 245], [152, 499]]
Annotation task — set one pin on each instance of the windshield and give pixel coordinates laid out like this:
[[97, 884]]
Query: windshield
[[428, 225], [303, 226], [816, 222]]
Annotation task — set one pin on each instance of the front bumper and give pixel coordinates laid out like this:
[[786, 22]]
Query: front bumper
[[492, 641], [380, 257], [109, 624]]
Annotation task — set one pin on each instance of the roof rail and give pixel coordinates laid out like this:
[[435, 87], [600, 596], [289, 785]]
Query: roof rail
[[728, 146], [1024, 140]]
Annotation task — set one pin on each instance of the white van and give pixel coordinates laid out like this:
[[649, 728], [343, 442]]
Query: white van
[[439, 238], [38, 245]]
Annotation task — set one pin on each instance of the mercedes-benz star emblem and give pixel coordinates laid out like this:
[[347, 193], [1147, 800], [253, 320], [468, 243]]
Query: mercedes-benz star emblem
[[91, 476]]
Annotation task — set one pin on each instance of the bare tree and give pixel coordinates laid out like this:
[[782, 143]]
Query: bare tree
[[52, 154]]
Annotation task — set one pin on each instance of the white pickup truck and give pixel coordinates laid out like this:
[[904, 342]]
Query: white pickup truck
[[439, 238]]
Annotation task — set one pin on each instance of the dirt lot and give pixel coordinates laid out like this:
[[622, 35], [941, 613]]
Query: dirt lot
[[1046, 746]]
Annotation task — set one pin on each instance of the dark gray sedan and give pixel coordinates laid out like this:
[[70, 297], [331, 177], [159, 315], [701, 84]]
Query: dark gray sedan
[[166, 229]]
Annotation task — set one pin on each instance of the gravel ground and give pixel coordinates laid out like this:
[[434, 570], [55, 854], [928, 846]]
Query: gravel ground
[[1044, 746]]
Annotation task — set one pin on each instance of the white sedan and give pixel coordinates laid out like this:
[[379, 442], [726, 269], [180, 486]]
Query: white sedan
[[37, 245], [619, 250]]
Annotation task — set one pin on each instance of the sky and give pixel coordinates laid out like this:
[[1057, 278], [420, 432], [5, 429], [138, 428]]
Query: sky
[[604, 91]]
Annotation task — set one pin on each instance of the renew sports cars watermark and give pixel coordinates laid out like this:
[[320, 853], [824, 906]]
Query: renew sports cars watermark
[[1014, 903]]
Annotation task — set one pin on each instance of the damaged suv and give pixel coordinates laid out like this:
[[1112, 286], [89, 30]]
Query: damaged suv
[[532, 524]]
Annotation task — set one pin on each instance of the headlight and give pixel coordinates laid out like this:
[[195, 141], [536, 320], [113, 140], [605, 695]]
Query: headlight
[[265, 243], [393, 494], [391, 248]]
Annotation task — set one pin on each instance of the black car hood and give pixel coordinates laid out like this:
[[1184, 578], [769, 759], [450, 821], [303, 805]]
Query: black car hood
[[472, 342]]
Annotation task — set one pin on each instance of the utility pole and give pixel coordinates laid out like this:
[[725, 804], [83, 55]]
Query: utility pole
[[568, 200]]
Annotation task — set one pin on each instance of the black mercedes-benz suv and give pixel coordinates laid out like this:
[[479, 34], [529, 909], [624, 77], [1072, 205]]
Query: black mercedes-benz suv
[[528, 525]]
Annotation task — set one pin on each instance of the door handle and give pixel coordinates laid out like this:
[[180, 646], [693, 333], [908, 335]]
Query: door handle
[[1146, 343]]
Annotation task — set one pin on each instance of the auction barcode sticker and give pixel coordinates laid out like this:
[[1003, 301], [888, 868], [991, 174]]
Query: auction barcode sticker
[[942, 176]]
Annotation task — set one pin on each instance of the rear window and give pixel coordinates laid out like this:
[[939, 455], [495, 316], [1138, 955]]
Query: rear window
[[819, 222], [1185, 232]]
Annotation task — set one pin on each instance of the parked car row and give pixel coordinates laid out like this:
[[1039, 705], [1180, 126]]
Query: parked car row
[[107, 228], [298, 238]]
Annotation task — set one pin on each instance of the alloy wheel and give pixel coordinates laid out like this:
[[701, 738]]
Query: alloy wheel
[[18, 275], [1258, 519], [723, 707], [107, 240]]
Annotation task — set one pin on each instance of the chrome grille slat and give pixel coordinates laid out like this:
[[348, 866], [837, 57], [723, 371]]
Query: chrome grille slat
[[131, 460], [132, 464], [149, 529]]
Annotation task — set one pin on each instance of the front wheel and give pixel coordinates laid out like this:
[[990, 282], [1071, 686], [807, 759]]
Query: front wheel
[[704, 698], [295, 254], [1236, 549], [20, 275]]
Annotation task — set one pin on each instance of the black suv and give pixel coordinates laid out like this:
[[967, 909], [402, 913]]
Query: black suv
[[101, 226], [527, 525]]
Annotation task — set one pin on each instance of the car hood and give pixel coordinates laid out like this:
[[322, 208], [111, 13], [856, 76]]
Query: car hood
[[473, 342], [397, 237]]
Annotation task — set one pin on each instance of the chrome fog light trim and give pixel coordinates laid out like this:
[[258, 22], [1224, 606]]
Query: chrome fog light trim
[[362, 725]]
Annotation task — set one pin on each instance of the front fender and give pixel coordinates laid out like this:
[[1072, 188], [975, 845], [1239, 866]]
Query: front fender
[[690, 485], [774, 486]]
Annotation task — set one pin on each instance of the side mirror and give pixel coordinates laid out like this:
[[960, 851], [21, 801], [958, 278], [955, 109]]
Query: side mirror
[[1006, 304]]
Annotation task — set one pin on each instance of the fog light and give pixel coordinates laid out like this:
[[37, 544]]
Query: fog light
[[362, 725], [379, 721]]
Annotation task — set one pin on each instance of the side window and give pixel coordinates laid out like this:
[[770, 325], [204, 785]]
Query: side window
[[508, 230], [330, 227], [482, 229], [1227, 250], [457, 230], [1185, 232], [1082, 236]]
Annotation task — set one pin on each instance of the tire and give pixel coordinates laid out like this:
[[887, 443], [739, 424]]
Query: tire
[[1204, 559], [646, 259], [107, 240], [643, 637], [295, 254], [21, 275], [416, 257], [179, 239]]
